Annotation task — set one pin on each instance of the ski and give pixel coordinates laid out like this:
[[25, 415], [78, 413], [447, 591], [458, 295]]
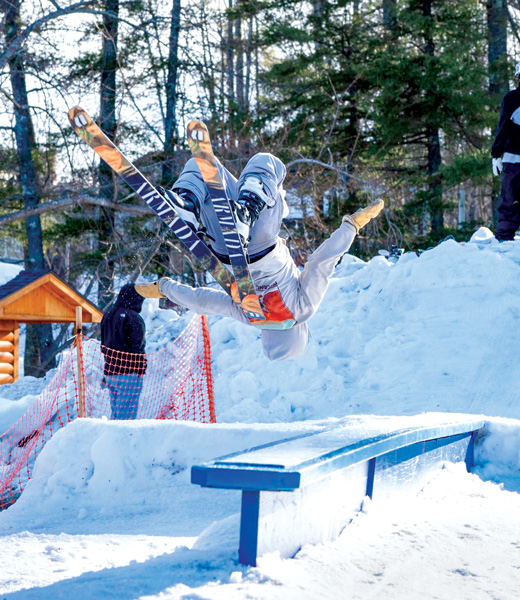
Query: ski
[[92, 135], [245, 292]]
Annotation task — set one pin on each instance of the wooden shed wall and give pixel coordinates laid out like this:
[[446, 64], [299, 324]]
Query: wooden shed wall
[[9, 336], [44, 299]]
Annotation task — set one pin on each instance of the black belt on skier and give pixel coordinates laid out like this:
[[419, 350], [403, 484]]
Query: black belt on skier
[[250, 259]]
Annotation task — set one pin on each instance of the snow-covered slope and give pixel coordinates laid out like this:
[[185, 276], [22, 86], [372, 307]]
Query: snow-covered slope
[[110, 511], [431, 332]]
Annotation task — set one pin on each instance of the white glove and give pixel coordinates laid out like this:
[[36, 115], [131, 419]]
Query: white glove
[[497, 166], [362, 216], [149, 290]]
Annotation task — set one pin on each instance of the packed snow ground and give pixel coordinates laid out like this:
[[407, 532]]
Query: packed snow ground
[[110, 511]]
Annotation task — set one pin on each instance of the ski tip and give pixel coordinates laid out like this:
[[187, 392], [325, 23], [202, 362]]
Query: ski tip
[[197, 132], [195, 123], [78, 117]]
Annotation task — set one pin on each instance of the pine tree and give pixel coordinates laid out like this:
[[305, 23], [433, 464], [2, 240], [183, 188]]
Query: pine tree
[[428, 103]]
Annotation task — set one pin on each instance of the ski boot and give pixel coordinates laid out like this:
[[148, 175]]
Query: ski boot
[[252, 199], [186, 205]]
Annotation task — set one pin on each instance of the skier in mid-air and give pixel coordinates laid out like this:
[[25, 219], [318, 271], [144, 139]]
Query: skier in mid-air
[[506, 159], [288, 297]]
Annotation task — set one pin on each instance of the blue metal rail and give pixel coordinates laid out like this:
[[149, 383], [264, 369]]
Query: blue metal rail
[[333, 469]]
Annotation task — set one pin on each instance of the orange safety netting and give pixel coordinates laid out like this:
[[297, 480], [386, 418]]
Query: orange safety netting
[[173, 383]]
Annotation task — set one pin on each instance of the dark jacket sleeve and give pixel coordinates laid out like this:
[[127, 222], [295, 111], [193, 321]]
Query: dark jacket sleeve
[[504, 126], [507, 138]]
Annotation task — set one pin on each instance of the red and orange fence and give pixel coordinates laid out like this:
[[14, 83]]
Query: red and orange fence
[[93, 381]]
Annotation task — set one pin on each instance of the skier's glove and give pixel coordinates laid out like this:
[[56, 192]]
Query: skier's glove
[[498, 167], [364, 215], [149, 290]]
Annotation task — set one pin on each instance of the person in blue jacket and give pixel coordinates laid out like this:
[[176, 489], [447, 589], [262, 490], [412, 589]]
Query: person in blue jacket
[[506, 160], [123, 344]]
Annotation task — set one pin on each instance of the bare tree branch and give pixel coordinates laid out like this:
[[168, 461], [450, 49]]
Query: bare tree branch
[[80, 200], [512, 22], [154, 248], [83, 6], [15, 44], [319, 163]]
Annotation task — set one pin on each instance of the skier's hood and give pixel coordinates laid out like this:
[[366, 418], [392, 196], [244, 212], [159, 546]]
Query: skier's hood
[[129, 298]]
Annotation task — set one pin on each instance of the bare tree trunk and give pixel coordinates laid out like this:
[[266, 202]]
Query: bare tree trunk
[[249, 63], [497, 48], [210, 68], [170, 126], [390, 14], [39, 337], [435, 204], [498, 67], [108, 123], [230, 71], [239, 71], [257, 65], [433, 142], [317, 13]]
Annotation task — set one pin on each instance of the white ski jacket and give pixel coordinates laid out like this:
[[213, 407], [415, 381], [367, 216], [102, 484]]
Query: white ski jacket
[[288, 296]]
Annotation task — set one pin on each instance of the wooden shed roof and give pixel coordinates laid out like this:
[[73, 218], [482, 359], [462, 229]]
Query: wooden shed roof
[[38, 296]]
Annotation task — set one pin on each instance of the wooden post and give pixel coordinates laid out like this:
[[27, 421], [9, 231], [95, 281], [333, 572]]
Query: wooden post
[[79, 351]]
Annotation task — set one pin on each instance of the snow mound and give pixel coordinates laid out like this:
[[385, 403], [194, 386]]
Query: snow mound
[[94, 470], [483, 235], [429, 333]]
